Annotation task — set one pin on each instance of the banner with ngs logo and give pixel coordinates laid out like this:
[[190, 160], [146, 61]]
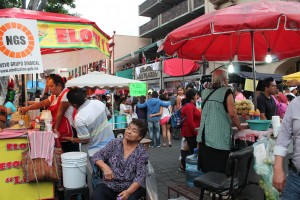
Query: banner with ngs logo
[[19, 47]]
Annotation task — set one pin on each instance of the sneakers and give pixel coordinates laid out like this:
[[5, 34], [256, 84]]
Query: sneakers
[[158, 146], [181, 168]]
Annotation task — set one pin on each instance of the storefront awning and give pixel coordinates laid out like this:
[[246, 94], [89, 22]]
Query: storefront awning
[[294, 76], [259, 76], [128, 73], [180, 67]]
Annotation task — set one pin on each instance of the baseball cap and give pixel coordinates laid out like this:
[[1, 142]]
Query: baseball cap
[[150, 91], [292, 88]]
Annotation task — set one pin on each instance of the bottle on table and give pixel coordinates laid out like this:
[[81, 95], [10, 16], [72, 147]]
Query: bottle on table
[[250, 98]]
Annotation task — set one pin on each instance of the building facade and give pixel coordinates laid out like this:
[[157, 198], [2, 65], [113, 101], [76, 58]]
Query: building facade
[[167, 15]]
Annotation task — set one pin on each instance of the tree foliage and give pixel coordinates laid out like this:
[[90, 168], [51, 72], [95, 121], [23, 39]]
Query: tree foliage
[[10, 4], [59, 6], [56, 6]]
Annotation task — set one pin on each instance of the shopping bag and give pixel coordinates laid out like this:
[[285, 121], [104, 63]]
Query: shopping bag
[[38, 169], [128, 119], [151, 187]]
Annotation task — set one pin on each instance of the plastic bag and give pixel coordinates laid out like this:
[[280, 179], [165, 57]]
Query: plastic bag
[[128, 119], [151, 186], [263, 166]]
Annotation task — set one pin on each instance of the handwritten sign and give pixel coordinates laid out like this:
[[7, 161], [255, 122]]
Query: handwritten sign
[[249, 85], [12, 181], [138, 89]]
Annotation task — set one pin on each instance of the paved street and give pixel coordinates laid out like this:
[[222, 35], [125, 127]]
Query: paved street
[[165, 161]]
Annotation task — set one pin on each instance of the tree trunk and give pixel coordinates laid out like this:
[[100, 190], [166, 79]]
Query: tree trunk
[[3, 88], [42, 5], [23, 4], [29, 7], [33, 4]]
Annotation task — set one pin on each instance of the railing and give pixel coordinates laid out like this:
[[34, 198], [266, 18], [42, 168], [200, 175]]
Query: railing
[[198, 3], [149, 26], [146, 5], [175, 12], [217, 3]]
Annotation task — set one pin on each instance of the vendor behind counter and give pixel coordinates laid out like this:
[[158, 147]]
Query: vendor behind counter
[[3, 116], [61, 110]]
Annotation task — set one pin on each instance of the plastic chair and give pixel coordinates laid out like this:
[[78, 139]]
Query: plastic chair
[[235, 178]]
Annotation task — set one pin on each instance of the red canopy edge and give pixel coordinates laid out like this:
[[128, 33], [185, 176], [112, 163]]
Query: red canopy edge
[[52, 51], [180, 67], [45, 16]]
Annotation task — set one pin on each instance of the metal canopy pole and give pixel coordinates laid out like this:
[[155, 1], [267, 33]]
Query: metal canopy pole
[[253, 70]]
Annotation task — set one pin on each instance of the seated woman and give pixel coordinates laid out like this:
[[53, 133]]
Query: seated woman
[[123, 163]]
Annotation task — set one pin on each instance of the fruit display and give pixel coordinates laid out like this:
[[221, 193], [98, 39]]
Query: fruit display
[[243, 107], [270, 192], [253, 112]]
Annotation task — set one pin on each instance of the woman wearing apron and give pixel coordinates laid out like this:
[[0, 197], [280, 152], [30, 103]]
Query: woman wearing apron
[[62, 112]]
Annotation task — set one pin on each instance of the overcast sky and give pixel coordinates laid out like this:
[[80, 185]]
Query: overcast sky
[[112, 15]]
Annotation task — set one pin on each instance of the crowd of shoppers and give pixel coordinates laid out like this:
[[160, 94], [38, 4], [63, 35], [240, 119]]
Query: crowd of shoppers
[[207, 118]]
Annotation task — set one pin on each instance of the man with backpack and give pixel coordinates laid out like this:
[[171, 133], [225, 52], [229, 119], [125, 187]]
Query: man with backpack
[[153, 116]]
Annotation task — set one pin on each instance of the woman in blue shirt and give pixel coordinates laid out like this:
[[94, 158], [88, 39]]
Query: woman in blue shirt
[[10, 107]]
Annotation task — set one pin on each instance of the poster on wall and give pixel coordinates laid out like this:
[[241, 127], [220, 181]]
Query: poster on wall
[[149, 71], [19, 47]]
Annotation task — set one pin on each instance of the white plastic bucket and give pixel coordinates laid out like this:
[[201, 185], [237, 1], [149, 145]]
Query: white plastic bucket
[[74, 169]]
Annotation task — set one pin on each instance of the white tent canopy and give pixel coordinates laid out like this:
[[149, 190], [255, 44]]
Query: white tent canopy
[[100, 80], [71, 59]]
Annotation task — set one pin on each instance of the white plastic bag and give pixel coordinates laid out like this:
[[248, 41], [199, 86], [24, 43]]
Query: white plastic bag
[[263, 166], [151, 186], [128, 118]]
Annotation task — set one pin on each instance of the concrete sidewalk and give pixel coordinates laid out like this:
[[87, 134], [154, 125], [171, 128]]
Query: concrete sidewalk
[[165, 161]]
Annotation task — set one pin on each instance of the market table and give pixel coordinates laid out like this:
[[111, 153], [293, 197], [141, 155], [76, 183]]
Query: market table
[[250, 135], [12, 182]]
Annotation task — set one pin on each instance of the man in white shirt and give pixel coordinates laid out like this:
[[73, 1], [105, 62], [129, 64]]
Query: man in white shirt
[[92, 126]]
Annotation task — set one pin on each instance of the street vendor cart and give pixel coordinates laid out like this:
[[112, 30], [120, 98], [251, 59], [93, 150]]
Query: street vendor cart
[[45, 34]]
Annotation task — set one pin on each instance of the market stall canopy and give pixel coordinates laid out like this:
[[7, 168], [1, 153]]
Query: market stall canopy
[[100, 80], [59, 33], [98, 91], [71, 59], [180, 67], [259, 76], [247, 75], [294, 76], [250, 31], [225, 33]]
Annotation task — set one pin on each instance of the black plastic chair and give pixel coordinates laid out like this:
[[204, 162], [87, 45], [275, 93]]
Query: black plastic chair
[[234, 180], [83, 191]]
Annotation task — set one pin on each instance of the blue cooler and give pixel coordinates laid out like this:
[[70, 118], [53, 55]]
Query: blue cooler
[[191, 168], [120, 121]]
